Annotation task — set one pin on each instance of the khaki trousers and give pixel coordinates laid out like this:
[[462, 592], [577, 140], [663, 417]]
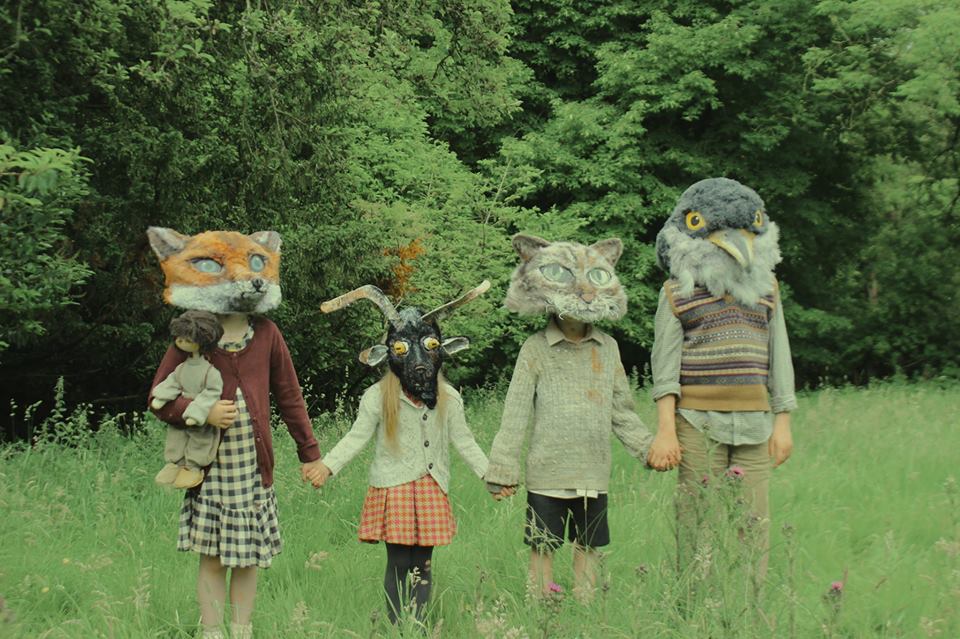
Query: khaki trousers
[[707, 490]]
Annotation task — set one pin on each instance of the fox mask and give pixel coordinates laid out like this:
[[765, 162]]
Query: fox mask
[[219, 271]]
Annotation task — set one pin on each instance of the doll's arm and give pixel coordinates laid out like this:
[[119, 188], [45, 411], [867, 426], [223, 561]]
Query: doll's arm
[[285, 388], [463, 440], [166, 390], [199, 409], [504, 468], [780, 383], [172, 411]]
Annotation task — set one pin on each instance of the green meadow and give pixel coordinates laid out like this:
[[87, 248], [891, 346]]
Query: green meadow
[[869, 499]]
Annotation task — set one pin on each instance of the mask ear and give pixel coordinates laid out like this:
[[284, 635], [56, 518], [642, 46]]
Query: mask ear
[[527, 246], [611, 249], [455, 345], [165, 242], [270, 240], [374, 355]]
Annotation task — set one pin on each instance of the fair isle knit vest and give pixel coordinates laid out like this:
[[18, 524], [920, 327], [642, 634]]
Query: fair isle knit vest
[[725, 358]]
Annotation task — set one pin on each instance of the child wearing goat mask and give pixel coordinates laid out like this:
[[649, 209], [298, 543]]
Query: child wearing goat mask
[[414, 415]]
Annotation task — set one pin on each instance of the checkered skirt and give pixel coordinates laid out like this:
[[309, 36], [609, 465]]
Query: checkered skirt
[[413, 514], [232, 515]]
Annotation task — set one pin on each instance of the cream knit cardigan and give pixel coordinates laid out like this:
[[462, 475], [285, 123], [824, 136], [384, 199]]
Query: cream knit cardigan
[[422, 446]]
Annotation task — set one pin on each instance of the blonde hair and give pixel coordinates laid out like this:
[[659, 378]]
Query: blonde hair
[[390, 390]]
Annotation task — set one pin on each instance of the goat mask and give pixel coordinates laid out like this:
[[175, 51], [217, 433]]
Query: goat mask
[[414, 347]]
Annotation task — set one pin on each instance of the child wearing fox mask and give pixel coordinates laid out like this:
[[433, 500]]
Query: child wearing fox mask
[[230, 519]]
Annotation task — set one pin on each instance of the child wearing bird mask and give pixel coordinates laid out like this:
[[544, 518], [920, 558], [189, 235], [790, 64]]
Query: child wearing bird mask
[[415, 416], [722, 373]]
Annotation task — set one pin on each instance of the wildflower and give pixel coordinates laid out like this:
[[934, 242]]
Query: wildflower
[[45, 589], [554, 587], [66, 560], [736, 473], [705, 480], [316, 558], [837, 587]]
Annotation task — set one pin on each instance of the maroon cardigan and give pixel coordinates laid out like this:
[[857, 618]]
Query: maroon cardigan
[[263, 367]]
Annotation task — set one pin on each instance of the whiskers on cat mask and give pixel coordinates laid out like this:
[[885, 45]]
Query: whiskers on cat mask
[[567, 279], [414, 347]]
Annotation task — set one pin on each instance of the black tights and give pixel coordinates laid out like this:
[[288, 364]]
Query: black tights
[[402, 561]]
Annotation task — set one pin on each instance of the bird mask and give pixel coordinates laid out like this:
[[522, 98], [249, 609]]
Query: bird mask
[[719, 236]]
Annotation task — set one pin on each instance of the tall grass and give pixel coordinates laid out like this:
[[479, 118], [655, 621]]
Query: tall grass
[[869, 500]]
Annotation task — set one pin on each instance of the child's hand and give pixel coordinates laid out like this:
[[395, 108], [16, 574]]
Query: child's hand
[[781, 441], [223, 414], [505, 491], [665, 451], [315, 472]]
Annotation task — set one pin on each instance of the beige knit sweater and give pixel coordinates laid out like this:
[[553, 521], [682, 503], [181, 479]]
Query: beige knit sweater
[[576, 395]]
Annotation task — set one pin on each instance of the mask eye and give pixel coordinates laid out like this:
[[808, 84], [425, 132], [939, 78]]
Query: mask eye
[[431, 343], [695, 221], [257, 263], [206, 265], [556, 273], [758, 218], [400, 348], [599, 276]]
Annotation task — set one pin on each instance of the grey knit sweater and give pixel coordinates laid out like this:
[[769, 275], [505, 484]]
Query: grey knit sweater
[[576, 395]]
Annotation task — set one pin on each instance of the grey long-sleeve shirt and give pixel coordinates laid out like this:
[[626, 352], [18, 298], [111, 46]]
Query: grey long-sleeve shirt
[[569, 398], [726, 427]]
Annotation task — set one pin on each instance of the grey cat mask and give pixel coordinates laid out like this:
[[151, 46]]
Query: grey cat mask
[[414, 347], [567, 279]]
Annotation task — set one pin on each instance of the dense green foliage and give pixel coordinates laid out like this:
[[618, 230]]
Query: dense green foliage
[[402, 142], [93, 541]]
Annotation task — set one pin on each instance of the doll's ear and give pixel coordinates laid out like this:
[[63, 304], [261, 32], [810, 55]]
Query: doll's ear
[[374, 355], [527, 246], [611, 248], [165, 242], [455, 345]]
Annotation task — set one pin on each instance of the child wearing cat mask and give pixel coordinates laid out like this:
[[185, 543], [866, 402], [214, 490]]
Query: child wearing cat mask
[[570, 383]]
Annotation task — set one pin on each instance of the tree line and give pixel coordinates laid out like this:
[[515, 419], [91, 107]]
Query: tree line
[[401, 143]]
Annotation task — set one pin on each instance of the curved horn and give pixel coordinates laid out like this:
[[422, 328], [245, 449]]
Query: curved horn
[[442, 311], [369, 292]]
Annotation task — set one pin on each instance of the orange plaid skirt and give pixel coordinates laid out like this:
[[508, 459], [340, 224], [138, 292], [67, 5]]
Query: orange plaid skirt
[[413, 514]]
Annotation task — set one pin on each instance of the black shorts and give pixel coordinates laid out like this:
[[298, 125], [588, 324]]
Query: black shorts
[[583, 518]]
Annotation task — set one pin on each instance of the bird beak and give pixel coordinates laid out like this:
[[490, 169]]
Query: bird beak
[[737, 242]]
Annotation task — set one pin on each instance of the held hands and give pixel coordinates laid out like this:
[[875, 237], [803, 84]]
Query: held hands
[[781, 441], [315, 472], [665, 451], [223, 414], [498, 491]]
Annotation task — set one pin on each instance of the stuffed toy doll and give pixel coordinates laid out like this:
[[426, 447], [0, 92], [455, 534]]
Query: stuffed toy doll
[[415, 416], [189, 450], [569, 394], [230, 518], [722, 373]]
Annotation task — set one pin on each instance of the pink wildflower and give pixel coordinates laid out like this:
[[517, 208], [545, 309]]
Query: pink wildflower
[[555, 587], [836, 586], [736, 472]]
